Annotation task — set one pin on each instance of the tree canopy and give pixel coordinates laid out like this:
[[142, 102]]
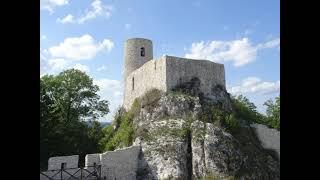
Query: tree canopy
[[67, 100], [244, 109], [273, 112]]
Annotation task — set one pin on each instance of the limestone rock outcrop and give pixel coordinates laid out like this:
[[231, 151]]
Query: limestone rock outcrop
[[177, 144]]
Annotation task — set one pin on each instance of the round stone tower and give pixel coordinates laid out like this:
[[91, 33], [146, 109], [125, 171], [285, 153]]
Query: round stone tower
[[137, 51]]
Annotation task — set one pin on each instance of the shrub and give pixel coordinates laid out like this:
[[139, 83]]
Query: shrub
[[232, 124], [246, 110], [273, 113], [120, 132], [150, 98], [122, 137]]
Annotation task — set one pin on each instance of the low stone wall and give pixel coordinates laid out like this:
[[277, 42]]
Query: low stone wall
[[120, 164], [54, 163], [90, 159], [269, 138]]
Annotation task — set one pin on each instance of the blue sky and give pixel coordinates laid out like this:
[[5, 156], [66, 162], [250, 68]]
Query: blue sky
[[89, 35]]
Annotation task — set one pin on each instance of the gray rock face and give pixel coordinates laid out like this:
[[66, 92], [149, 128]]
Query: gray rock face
[[214, 151], [176, 144]]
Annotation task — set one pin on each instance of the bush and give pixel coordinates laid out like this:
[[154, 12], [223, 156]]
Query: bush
[[121, 132], [150, 98], [273, 113], [246, 110], [232, 124]]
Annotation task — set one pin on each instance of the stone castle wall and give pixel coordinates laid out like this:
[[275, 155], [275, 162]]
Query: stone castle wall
[[151, 75], [181, 70], [167, 72]]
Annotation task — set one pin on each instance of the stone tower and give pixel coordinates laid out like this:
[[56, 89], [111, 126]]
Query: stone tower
[[136, 53]]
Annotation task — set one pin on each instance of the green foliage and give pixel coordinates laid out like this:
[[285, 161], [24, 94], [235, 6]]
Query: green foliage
[[66, 100], [273, 113], [246, 110], [216, 115], [121, 132], [232, 124]]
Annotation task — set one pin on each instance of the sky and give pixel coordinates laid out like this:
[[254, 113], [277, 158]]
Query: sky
[[89, 35]]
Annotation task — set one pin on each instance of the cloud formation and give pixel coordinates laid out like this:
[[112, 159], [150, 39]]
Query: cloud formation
[[255, 85], [50, 5], [80, 48], [240, 52], [82, 67], [97, 9], [71, 50]]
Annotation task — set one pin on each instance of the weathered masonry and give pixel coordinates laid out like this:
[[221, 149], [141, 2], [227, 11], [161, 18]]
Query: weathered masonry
[[143, 73]]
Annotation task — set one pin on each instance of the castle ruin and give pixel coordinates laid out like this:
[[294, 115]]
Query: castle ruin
[[143, 73]]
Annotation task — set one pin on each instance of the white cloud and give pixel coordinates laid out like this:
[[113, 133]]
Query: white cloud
[[102, 68], [239, 52], [270, 44], [49, 5], [255, 85], [112, 91], [127, 26], [63, 56], [67, 19], [80, 48], [97, 9], [57, 64], [81, 67]]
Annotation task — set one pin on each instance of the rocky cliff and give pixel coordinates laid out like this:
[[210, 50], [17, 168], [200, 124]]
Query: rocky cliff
[[184, 135], [180, 139]]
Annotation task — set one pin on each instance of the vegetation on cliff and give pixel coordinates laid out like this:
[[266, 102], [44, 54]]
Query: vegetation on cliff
[[121, 133]]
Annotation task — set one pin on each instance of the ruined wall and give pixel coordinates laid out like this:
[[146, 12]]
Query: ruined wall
[[90, 159], [150, 75], [180, 70], [55, 162], [120, 164], [269, 138], [168, 72]]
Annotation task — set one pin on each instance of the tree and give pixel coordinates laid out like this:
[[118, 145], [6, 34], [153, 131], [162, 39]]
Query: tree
[[66, 100], [75, 95], [246, 110], [273, 113]]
